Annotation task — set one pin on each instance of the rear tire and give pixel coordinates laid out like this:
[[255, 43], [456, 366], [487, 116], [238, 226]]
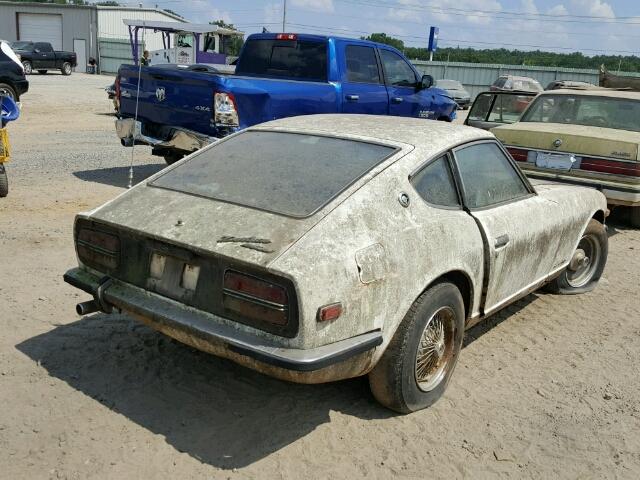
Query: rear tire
[[42, 72], [587, 263], [8, 91], [634, 217], [4, 182], [415, 369], [66, 69]]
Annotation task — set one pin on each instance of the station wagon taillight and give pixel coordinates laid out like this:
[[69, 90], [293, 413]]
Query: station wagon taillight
[[254, 298], [98, 249]]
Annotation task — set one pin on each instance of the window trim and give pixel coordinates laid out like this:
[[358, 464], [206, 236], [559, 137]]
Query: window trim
[[386, 82], [381, 78], [448, 162], [510, 160]]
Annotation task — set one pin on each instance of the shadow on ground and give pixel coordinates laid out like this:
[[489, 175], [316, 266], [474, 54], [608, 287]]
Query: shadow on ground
[[214, 410], [119, 176]]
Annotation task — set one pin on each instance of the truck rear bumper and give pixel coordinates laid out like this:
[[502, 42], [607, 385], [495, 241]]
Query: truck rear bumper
[[343, 359], [172, 138]]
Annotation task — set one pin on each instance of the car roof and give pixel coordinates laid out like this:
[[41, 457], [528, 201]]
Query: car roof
[[431, 135], [604, 92]]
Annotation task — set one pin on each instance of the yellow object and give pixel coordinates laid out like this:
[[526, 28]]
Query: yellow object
[[4, 145]]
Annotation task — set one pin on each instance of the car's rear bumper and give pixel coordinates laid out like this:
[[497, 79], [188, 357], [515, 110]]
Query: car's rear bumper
[[21, 86], [210, 333], [616, 193]]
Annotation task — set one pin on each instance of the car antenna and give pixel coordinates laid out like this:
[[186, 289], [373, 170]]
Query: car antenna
[[135, 117]]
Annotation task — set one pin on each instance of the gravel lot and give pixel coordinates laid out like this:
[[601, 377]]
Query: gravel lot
[[548, 388]]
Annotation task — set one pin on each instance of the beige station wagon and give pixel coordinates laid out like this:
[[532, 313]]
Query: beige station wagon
[[588, 138]]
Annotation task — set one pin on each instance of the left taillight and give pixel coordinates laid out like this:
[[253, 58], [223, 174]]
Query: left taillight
[[255, 299], [98, 249], [225, 111]]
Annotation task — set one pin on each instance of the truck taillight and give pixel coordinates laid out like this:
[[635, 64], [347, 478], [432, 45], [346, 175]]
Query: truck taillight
[[225, 111], [255, 299], [286, 36]]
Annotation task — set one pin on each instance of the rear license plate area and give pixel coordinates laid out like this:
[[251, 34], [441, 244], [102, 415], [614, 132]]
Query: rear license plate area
[[556, 161], [172, 276]]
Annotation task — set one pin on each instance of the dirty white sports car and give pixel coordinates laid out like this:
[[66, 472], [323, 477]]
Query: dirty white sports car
[[324, 247]]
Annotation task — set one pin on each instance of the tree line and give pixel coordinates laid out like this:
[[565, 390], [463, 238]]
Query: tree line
[[627, 63]]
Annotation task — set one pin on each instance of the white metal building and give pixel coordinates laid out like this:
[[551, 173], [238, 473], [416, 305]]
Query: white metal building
[[88, 30]]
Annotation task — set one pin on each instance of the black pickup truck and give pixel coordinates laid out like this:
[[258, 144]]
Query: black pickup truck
[[41, 56]]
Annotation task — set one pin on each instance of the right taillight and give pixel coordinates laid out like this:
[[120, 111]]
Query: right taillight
[[98, 249], [613, 167], [225, 111], [255, 299]]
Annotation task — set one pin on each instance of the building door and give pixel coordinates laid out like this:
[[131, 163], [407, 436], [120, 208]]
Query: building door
[[41, 27], [80, 47]]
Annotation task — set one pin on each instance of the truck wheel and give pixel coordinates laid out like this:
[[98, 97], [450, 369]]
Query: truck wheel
[[587, 263], [8, 91], [66, 68], [172, 158], [42, 72], [415, 369], [4, 182], [28, 68]]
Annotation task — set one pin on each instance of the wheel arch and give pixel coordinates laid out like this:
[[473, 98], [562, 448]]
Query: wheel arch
[[463, 283], [600, 216]]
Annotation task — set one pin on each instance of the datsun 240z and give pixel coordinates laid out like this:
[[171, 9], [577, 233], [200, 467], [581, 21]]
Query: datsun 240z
[[326, 247]]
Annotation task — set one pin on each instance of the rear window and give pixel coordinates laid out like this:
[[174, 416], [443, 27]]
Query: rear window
[[285, 173], [299, 59]]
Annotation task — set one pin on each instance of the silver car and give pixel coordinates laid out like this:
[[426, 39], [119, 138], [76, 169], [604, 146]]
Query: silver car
[[457, 91], [325, 247]]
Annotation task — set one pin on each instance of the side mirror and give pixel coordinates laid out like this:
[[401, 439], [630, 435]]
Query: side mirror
[[426, 82], [36, 50]]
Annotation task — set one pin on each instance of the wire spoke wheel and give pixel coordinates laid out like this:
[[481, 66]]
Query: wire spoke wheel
[[584, 262], [435, 350]]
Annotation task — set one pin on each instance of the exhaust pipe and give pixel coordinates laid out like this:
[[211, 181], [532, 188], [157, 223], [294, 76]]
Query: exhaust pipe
[[85, 308]]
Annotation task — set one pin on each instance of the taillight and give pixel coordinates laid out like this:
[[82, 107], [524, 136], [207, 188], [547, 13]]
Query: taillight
[[98, 249], [286, 36], [613, 167], [117, 88], [518, 154], [225, 111], [255, 299]]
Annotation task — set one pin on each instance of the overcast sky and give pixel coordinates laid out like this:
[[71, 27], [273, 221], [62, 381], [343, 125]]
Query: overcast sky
[[590, 26]]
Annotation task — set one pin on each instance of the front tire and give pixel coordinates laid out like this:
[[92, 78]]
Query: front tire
[[587, 263], [4, 182], [415, 369], [8, 91], [66, 69], [28, 67]]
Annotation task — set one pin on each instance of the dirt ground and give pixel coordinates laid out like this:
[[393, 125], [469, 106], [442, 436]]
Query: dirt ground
[[548, 388]]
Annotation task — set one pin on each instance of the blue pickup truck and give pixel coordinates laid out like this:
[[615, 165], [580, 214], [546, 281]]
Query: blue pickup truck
[[280, 75]]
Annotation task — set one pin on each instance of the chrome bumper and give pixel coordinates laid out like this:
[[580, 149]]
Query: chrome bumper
[[130, 132], [211, 333]]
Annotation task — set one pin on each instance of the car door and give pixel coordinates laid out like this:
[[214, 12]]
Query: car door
[[405, 98], [363, 90], [520, 244], [492, 109], [44, 56]]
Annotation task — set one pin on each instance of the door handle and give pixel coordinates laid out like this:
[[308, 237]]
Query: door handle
[[352, 98], [397, 100], [502, 241]]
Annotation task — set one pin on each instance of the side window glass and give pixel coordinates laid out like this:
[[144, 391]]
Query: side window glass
[[435, 184], [397, 70], [480, 107], [508, 108], [362, 66], [488, 178]]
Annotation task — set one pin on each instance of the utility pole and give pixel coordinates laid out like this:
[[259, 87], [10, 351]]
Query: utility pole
[[284, 16]]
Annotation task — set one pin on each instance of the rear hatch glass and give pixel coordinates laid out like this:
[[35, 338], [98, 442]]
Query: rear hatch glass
[[286, 173], [299, 59]]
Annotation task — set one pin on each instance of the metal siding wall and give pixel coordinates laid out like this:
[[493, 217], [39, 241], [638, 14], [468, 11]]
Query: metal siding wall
[[477, 77], [76, 23], [111, 25], [113, 53]]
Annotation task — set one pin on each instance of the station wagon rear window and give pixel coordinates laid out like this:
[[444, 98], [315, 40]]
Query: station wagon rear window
[[286, 173]]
